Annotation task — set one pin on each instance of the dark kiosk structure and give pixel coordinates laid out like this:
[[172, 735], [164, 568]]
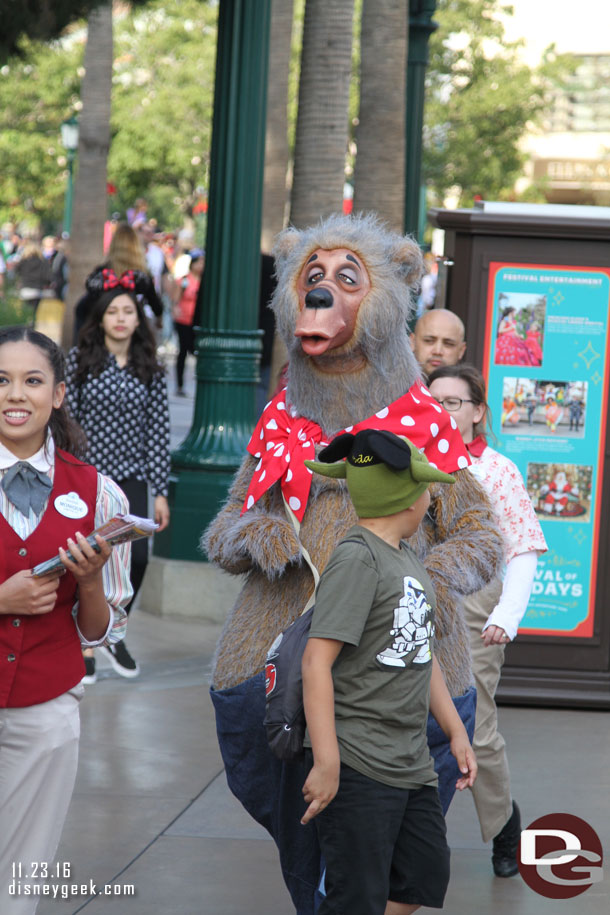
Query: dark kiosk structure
[[491, 253]]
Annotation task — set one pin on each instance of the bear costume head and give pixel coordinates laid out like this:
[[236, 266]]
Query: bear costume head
[[344, 296]]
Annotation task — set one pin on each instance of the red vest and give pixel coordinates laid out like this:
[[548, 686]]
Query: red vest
[[40, 656]]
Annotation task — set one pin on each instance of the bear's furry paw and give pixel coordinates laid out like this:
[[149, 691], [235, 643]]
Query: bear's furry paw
[[273, 545], [255, 539]]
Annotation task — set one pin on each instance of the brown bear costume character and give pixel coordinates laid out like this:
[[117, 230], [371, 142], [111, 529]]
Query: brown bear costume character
[[342, 305]]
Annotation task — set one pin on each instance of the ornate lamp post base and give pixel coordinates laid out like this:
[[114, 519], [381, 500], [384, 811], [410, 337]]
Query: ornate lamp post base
[[195, 498]]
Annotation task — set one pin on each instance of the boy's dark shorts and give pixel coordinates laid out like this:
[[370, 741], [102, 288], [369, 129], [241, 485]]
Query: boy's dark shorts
[[382, 843]]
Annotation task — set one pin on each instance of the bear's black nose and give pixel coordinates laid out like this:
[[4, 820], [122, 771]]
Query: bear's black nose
[[319, 298]]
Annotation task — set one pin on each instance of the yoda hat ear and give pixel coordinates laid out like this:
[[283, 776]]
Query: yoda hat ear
[[338, 449], [389, 448], [331, 463], [338, 470]]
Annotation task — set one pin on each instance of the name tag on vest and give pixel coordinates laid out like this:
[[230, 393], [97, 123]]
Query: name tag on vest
[[70, 505]]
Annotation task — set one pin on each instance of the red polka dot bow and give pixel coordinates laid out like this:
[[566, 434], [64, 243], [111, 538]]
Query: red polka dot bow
[[283, 440], [110, 280]]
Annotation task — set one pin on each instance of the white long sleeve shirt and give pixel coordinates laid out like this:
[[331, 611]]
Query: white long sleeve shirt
[[521, 531]]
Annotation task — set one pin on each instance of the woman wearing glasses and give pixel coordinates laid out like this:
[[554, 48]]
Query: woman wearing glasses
[[493, 614]]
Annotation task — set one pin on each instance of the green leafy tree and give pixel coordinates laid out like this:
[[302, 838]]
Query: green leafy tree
[[163, 87], [163, 82], [37, 92], [480, 99]]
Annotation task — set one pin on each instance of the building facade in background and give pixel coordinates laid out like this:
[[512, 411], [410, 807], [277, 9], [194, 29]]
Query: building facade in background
[[569, 155]]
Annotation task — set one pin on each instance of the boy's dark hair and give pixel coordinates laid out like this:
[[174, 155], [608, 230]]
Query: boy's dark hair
[[92, 353], [66, 432]]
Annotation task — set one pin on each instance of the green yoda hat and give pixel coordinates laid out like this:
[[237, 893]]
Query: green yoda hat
[[385, 473]]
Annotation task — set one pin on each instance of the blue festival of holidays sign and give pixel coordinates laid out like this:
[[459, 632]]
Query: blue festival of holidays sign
[[546, 363]]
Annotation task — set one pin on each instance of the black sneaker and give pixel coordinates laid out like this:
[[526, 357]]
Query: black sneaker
[[120, 659], [90, 674], [505, 845]]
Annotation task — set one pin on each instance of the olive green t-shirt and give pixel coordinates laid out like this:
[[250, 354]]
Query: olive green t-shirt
[[379, 601]]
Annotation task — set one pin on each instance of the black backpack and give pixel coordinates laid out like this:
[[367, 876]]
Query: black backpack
[[284, 713]]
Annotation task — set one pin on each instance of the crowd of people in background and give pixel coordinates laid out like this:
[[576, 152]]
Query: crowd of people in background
[[165, 267], [38, 268]]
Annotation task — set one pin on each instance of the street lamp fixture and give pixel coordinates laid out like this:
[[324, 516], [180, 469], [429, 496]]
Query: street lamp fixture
[[69, 139], [69, 134]]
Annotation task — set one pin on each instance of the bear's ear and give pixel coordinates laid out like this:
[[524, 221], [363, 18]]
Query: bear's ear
[[408, 257], [285, 242]]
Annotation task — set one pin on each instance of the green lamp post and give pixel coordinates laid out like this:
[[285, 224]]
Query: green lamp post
[[69, 139], [421, 27], [228, 343]]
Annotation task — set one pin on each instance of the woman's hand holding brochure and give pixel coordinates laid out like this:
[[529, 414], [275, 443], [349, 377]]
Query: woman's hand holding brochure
[[118, 529]]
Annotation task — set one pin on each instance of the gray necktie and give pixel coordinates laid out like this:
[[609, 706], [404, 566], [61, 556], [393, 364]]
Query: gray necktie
[[26, 487]]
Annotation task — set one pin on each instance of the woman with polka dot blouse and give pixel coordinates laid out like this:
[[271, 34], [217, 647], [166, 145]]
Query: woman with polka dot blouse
[[117, 391]]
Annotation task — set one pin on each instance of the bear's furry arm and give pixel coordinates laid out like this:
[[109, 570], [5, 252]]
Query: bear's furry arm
[[469, 551], [262, 537]]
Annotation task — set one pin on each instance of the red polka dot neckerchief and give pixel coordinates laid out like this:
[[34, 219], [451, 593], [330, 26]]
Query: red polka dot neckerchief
[[283, 440]]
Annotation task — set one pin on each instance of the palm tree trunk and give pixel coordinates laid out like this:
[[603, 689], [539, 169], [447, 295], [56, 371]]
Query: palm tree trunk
[[322, 121], [380, 159], [277, 151], [93, 145]]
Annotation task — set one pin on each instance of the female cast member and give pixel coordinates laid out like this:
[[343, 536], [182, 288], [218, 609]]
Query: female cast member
[[494, 614], [49, 502], [116, 390]]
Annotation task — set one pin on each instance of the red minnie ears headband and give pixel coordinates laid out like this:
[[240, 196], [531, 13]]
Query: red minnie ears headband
[[110, 280], [104, 278]]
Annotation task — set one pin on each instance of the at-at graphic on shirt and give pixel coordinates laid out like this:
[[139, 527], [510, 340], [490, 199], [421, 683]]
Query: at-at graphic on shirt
[[412, 630]]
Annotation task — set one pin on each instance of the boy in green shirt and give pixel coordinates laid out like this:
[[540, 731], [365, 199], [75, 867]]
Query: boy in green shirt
[[369, 679]]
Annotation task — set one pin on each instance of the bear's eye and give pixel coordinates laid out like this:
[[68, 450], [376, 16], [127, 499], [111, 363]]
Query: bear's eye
[[347, 277], [315, 275]]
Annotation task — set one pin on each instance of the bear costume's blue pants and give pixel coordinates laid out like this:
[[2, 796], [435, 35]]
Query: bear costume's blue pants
[[271, 791]]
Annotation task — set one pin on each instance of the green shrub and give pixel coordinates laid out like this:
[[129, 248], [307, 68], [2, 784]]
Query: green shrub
[[12, 311]]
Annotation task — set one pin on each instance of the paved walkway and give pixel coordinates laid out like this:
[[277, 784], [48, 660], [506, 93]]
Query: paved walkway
[[151, 808]]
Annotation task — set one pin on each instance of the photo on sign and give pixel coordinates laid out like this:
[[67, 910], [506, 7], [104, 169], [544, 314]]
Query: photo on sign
[[537, 406], [520, 329], [560, 492]]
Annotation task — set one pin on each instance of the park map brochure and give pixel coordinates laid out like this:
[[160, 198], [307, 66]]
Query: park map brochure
[[119, 529]]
